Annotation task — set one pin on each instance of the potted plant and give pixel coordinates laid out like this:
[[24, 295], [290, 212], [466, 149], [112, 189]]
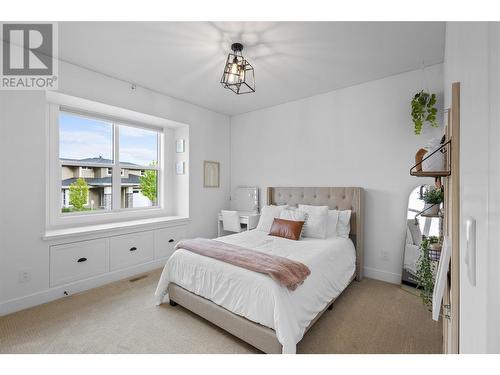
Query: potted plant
[[425, 273], [423, 110], [433, 198]]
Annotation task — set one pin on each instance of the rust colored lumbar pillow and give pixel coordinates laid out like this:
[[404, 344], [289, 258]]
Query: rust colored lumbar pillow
[[286, 228]]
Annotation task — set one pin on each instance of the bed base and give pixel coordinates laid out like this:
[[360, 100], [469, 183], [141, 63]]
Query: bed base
[[255, 334]]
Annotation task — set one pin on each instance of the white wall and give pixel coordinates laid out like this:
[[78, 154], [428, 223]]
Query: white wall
[[357, 136], [472, 58], [22, 162]]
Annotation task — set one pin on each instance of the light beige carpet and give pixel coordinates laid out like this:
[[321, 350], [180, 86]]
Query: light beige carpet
[[369, 317]]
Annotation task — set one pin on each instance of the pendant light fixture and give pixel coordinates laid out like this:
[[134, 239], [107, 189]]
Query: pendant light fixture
[[238, 74]]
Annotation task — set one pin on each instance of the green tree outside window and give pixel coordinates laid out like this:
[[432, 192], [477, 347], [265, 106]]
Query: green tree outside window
[[148, 184], [78, 193]]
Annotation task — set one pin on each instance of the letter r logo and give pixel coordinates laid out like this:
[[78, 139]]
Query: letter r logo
[[27, 49]]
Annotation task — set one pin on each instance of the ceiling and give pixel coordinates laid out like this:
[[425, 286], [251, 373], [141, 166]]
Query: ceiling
[[292, 60]]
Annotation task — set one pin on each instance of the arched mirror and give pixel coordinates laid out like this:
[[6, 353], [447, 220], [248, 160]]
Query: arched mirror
[[423, 219]]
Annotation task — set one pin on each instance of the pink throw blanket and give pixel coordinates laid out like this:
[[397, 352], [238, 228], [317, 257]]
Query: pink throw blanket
[[284, 271]]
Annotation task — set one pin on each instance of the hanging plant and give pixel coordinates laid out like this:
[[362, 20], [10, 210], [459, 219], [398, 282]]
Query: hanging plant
[[425, 273], [423, 110]]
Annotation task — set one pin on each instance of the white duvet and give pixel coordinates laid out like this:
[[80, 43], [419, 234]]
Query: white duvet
[[256, 296]]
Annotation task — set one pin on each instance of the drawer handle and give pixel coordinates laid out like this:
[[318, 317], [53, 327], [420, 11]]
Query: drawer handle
[[82, 260], [133, 248], [171, 240]]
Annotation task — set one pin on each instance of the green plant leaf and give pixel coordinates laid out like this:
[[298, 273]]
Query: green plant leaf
[[423, 110], [425, 272]]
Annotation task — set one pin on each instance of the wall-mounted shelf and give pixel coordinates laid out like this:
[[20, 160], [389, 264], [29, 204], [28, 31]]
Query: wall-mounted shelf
[[432, 215], [417, 171], [430, 173], [425, 212]]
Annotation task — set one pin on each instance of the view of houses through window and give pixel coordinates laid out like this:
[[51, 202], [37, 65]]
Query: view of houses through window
[[86, 150]]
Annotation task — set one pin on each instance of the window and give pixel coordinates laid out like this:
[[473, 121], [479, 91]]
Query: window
[[106, 165]]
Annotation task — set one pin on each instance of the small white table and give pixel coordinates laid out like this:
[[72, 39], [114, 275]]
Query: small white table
[[249, 219]]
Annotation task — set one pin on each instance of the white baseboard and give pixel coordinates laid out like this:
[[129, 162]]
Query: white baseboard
[[21, 303], [390, 277]]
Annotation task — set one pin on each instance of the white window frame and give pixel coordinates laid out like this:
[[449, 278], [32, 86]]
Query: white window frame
[[119, 116]]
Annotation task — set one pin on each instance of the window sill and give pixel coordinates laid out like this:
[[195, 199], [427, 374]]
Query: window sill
[[112, 228]]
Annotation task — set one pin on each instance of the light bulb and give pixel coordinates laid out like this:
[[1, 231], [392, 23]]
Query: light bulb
[[234, 71], [242, 74], [234, 68]]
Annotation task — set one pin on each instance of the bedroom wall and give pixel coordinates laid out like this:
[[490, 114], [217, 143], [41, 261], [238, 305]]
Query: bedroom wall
[[22, 174], [356, 136]]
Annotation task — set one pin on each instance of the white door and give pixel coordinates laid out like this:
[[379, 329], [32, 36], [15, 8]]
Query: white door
[[493, 279], [468, 61], [474, 128], [473, 58]]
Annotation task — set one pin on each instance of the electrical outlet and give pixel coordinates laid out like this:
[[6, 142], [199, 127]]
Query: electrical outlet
[[24, 276], [385, 255]]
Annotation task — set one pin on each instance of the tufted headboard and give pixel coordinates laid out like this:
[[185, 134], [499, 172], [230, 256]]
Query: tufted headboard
[[341, 198]]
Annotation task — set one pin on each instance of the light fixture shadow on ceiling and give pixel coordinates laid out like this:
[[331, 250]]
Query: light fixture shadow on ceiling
[[251, 34], [259, 45], [212, 41]]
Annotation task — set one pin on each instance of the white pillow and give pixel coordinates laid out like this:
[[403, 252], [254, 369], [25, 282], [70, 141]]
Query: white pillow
[[267, 216], [344, 224], [331, 228], [293, 214], [316, 221]]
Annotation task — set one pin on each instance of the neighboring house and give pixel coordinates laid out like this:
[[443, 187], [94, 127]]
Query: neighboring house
[[99, 181]]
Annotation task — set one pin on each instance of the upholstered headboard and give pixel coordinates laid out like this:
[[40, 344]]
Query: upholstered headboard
[[341, 198]]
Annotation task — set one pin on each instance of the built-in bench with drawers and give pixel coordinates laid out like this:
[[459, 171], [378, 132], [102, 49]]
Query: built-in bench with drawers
[[86, 257]]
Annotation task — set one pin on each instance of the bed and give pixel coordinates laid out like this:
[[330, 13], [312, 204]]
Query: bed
[[252, 306]]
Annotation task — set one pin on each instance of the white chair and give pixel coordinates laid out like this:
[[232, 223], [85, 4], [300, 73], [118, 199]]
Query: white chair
[[231, 221]]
